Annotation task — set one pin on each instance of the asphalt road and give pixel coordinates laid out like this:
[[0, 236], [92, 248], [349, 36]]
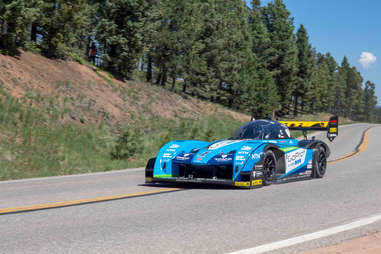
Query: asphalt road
[[195, 220]]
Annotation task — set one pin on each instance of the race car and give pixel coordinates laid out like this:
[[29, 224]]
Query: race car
[[260, 153]]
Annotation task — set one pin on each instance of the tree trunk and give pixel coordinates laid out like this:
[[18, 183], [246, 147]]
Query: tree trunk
[[173, 83], [10, 36], [33, 33], [158, 80], [164, 78], [149, 68], [296, 105], [184, 86], [88, 47]]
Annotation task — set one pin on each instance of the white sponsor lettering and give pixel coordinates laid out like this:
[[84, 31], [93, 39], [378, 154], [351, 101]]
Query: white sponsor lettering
[[240, 158], [295, 159], [223, 159], [222, 144], [183, 158], [243, 152], [246, 148], [174, 146], [167, 155], [171, 150], [256, 156]]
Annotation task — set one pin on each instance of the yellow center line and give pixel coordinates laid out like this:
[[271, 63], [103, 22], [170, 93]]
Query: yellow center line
[[83, 201], [363, 145]]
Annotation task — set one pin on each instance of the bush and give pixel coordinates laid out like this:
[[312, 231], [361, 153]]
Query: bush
[[31, 46], [127, 145]]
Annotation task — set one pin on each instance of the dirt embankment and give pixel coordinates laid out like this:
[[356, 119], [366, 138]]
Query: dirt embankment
[[370, 244], [80, 93]]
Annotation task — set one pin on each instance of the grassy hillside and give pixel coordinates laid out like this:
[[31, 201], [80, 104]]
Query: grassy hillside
[[61, 117]]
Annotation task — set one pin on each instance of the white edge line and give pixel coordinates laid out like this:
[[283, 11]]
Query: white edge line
[[309, 237]]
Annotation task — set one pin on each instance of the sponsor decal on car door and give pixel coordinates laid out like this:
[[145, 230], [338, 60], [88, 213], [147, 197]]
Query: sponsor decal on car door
[[294, 159]]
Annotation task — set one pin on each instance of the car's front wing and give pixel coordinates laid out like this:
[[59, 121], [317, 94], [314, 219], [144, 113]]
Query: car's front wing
[[245, 184]]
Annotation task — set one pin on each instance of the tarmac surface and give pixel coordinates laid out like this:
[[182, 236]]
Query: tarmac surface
[[195, 219]]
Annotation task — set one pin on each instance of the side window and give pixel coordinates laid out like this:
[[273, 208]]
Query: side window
[[284, 133], [281, 133]]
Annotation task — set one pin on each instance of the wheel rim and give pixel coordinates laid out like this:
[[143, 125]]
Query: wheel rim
[[269, 168], [322, 162]]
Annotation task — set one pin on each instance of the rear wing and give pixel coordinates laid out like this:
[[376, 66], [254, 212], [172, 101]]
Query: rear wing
[[331, 126]]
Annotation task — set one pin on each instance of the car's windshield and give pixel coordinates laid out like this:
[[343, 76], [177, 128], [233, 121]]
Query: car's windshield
[[249, 131], [262, 129]]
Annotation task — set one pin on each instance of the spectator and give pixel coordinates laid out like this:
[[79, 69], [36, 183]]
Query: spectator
[[93, 53]]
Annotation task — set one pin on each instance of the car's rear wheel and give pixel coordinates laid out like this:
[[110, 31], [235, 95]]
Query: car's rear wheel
[[269, 167], [320, 165]]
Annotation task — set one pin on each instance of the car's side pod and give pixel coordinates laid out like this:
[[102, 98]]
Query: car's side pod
[[314, 144], [149, 170]]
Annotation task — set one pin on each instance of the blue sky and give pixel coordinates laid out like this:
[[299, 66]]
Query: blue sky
[[344, 28]]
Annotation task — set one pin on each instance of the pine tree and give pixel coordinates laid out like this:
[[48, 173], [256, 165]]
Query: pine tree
[[260, 97], [259, 35], [63, 24], [305, 65], [235, 49], [120, 31], [191, 38], [318, 93], [370, 101], [354, 94], [333, 89], [352, 100], [15, 19], [283, 58]]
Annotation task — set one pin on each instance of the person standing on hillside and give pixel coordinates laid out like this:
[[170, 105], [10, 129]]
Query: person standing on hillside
[[93, 53]]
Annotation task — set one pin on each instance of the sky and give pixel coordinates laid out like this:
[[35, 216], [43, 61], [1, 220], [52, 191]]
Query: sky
[[344, 28]]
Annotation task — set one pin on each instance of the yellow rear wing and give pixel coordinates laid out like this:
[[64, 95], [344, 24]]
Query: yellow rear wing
[[331, 126]]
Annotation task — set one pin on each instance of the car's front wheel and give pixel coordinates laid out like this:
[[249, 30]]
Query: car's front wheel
[[269, 167]]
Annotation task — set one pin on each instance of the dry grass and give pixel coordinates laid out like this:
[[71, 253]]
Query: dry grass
[[61, 117], [91, 96]]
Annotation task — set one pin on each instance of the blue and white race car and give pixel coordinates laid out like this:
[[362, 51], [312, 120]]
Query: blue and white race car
[[260, 153]]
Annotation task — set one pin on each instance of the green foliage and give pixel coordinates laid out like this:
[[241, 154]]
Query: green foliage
[[377, 114], [261, 97], [63, 25], [32, 47], [222, 51], [370, 101], [128, 144], [283, 59], [15, 16], [34, 146], [120, 30], [305, 65]]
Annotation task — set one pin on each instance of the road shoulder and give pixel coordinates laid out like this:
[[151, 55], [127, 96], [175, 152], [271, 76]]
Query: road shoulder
[[369, 244]]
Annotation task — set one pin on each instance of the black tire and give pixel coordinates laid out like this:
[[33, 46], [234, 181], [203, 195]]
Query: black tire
[[269, 167], [320, 163]]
